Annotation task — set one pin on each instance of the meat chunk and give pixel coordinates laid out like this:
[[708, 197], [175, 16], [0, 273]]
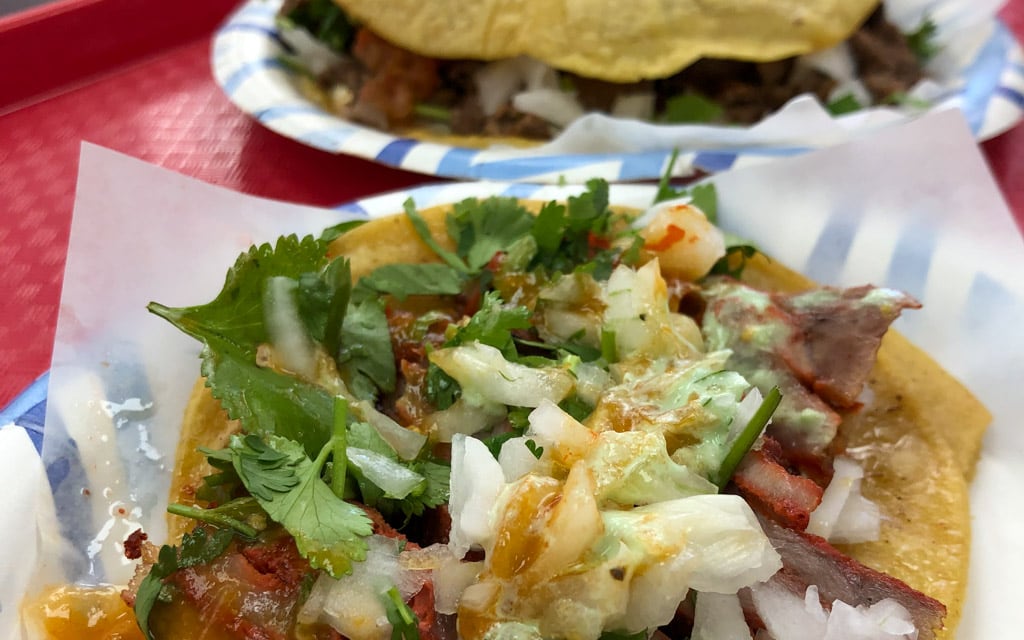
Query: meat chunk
[[810, 560], [818, 347], [774, 491]]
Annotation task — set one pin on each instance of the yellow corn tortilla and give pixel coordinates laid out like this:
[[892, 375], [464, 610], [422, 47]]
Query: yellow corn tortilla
[[615, 41], [918, 440]]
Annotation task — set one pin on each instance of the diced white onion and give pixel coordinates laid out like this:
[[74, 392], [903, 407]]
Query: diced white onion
[[844, 515], [497, 82], [450, 580], [466, 418], [710, 543], [476, 482], [293, 347], [516, 459], [719, 616], [553, 428], [556, 106], [485, 376], [638, 106], [745, 411], [787, 616], [406, 442], [397, 481], [353, 605]]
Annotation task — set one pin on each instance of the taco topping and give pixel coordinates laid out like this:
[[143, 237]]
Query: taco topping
[[518, 433]]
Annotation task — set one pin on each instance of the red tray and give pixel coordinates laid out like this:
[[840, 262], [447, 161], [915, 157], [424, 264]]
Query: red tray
[[133, 75]]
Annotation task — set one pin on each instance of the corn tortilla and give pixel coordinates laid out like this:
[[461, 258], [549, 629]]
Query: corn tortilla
[[618, 42], [918, 438]]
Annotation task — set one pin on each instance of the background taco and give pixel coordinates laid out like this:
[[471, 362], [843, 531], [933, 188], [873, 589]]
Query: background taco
[[521, 71]]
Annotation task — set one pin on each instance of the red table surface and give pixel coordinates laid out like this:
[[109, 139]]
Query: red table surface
[[134, 75]]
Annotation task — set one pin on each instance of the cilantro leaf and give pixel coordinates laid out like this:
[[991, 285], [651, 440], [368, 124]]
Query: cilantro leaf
[[493, 325], [366, 359], [844, 104], [482, 228], [404, 623], [243, 515], [691, 108], [235, 316], [665, 189], [922, 40], [550, 226], [734, 261], [404, 280], [267, 402], [536, 450], [423, 231], [705, 197], [325, 21], [197, 548], [330, 234], [432, 493], [323, 300], [328, 531]]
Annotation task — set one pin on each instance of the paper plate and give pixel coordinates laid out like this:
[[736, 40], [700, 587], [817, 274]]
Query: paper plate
[[247, 65]]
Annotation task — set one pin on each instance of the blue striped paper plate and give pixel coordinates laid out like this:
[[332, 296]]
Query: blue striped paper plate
[[247, 65]]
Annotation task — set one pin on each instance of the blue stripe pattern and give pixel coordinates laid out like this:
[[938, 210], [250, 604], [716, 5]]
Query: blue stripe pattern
[[832, 248], [1014, 96], [395, 151], [983, 76], [248, 70], [28, 410], [912, 258]]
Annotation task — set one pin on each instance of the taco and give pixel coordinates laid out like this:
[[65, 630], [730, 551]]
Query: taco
[[512, 72], [554, 420]]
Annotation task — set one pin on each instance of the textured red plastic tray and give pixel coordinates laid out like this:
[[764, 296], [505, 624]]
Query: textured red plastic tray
[[133, 75]]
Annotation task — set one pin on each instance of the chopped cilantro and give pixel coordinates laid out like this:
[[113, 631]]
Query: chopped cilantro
[[537, 451], [691, 108], [330, 234], [197, 548], [325, 21], [236, 314], [576, 407], [328, 531], [366, 359], [922, 40], [430, 494], [265, 401], [404, 280], [705, 197], [243, 515], [404, 623], [734, 261], [482, 228], [423, 231], [748, 436], [491, 325], [433, 112], [844, 104], [323, 301]]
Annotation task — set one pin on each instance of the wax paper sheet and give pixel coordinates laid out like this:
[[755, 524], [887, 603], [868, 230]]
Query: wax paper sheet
[[929, 219]]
